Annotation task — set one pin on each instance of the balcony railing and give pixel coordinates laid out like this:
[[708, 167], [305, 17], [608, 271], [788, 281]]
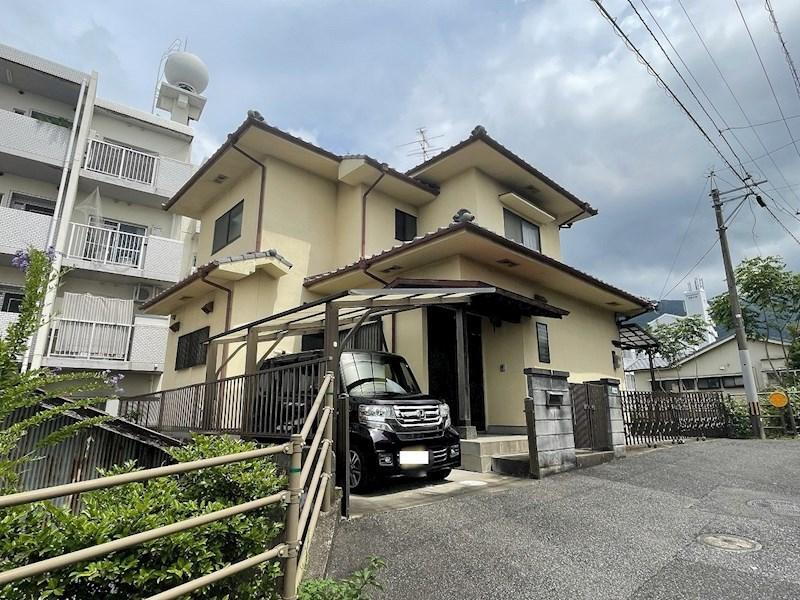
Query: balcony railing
[[30, 138], [21, 229], [75, 338], [119, 161], [106, 246]]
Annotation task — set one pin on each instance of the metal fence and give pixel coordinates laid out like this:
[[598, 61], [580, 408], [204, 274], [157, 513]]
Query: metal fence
[[651, 417], [120, 161], [106, 246], [269, 404], [309, 479]]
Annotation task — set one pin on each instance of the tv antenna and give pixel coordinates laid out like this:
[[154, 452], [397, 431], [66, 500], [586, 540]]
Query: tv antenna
[[424, 148]]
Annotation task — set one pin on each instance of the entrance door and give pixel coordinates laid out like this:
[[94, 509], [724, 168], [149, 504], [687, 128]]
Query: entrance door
[[442, 368], [590, 416]]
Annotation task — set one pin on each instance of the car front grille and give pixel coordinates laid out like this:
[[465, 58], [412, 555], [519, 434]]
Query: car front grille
[[418, 416], [439, 455]]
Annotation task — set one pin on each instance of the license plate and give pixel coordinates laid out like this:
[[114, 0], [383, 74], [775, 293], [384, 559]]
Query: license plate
[[413, 457]]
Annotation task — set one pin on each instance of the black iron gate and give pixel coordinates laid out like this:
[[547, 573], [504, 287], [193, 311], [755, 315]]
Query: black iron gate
[[590, 416]]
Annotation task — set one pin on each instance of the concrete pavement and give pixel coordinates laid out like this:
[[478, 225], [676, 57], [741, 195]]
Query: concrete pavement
[[627, 529]]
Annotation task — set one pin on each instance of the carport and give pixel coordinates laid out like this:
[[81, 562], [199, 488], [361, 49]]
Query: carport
[[348, 310]]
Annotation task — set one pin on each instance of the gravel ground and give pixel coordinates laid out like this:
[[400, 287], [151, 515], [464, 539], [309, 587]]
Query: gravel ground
[[626, 529]]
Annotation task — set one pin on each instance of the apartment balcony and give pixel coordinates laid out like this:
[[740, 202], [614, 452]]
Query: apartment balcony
[[23, 137], [20, 229], [85, 344], [129, 172], [128, 254]]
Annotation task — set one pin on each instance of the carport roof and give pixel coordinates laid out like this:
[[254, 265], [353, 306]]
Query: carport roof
[[366, 305], [634, 337]]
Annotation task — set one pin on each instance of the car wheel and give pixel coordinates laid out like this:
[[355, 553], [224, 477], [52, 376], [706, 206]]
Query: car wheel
[[439, 475], [360, 475]]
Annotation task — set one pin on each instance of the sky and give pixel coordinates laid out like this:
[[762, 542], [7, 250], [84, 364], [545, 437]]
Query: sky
[[549, 79]]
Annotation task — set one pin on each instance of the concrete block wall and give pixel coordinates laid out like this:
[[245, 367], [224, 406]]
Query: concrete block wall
[[551, 440], [616, 423]]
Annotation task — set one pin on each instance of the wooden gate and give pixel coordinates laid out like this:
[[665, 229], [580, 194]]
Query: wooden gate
[[590, 416]]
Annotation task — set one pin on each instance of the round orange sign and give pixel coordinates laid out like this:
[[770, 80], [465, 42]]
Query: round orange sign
[[778, 399]]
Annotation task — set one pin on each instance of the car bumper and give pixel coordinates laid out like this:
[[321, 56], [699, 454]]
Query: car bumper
[[393, 456]]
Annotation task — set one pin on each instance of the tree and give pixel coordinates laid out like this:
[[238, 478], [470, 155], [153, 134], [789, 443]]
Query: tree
[[19, 390], [770, 297], [678, 339]]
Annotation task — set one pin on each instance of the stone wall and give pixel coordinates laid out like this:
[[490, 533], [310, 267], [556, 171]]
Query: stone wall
[[548, 410], [616, 423]]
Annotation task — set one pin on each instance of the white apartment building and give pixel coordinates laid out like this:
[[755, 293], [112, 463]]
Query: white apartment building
[[105, 169]]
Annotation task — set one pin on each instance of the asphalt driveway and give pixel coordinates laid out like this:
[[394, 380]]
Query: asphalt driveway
[[627, 529]]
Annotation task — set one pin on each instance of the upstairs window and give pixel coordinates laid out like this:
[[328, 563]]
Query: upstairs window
[[521, 231], [11, 299], [42, 206], [405, 226], [192, 349], [543, 342], [228, 228]]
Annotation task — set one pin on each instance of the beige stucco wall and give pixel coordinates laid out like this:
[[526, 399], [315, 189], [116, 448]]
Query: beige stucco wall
[[348, 223], [380, 221], [456, 193], [247, 188]]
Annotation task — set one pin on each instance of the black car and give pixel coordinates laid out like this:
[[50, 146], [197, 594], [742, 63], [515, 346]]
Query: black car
[[395, 429]]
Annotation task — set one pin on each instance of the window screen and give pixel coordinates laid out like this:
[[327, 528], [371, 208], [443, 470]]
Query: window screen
[[521, 231], [191, 349], [543, 341], [405, 226], [228, 227]]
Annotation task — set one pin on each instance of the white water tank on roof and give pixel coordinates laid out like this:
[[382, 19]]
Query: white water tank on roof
[[186, 71]]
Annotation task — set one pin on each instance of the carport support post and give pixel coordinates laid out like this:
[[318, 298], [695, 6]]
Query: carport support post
[[211, 388], [465, 428], [342, 444], [251, 385]]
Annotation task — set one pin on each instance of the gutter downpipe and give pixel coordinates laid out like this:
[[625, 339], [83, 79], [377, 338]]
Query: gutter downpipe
[[228, 313], [262, 199], [62, 231], [51, 231], [384, 169]]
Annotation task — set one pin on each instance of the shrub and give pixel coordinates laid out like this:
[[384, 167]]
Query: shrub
[[34, 532], [354, 587], [739, 416]]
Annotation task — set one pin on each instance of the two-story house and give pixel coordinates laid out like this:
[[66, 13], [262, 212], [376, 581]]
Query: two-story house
[[285, 222], [87, 177]]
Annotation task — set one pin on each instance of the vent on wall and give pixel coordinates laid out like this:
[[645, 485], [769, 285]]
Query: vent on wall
[[391, 269], [220, 178], [507, 263]]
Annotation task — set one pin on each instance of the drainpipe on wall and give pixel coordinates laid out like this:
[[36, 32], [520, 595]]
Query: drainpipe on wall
[[228, 313], [42, 335], [262, 197], [384, 169]]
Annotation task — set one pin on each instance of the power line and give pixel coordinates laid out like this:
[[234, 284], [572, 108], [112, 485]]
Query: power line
[[781, 223], [663, 83], [683, 240], [786, 54], [735, 98], [762, 123], [766, 75], [683, 79]]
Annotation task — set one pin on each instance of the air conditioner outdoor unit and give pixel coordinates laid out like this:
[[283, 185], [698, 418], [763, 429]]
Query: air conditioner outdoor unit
[[145, 293]]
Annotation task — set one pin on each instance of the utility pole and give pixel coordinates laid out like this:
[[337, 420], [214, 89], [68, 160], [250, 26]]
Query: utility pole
[[736, 311]]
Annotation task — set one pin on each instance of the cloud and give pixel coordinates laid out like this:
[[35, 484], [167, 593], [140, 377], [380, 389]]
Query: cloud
[[549, 79]]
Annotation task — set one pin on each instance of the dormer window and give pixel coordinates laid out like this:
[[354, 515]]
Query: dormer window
[[521, 230]]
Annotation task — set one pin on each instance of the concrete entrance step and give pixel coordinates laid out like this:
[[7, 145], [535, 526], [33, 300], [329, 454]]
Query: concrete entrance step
[[519, 464], [477, 453], [592, 458]]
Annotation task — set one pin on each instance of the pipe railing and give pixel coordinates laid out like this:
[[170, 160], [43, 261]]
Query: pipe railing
[[299, 526], [120, 161], [106, 246]]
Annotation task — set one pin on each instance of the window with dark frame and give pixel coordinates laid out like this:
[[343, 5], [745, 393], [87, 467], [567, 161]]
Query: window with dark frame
[[521, 230], [405, 226], [228, 228], [192, 349], [11, 301], [543, 342]]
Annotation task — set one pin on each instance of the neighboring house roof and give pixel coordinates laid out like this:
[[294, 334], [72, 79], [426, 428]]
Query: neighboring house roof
[[664, 307], [207, 268], [479, 134], [662, 363], [455, 227]]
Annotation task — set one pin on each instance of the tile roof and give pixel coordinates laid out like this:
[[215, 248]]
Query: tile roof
[[472, 227], [206, 268]]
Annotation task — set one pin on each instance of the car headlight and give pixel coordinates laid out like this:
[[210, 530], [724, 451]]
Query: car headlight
[[444, 412], [375, 416]]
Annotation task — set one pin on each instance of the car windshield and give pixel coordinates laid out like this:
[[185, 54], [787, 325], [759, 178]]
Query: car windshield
[[366, 374]]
